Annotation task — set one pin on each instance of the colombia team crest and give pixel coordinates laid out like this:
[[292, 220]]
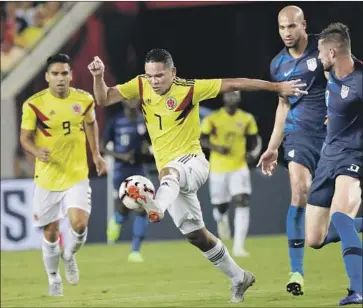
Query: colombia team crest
[[170, 103], [312, 64], [77, 108]]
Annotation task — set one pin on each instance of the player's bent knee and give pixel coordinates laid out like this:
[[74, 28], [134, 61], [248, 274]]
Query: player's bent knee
[[222, 208], [241, 200], [299, 193], [51, 232], [201, 238], [169, 171], [314, 241]]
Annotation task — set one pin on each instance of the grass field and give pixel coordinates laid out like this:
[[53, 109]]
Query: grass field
[[173, 274]]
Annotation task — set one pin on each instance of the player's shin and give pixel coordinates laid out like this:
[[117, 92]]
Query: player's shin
[[295, 228], [351, 249], [221, 258], [333, 235], [51, 254], [139, 230], [167, 192], [74, 242]]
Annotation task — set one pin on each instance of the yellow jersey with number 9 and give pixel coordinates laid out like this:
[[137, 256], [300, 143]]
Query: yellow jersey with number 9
[[229, 131], [58, 125], [172, 119]]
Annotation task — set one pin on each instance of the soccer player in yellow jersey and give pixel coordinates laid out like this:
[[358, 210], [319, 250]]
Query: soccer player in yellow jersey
[[228, 132], [53, 128], [170, 106]]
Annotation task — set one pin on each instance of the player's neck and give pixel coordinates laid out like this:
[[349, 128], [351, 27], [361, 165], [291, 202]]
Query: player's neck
[[230, 111], [344, 66], [298, 50], [60, 95]]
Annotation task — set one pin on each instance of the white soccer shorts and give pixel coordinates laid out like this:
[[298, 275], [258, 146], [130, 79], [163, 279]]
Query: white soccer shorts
[[50, 206], [224, 186], [186, 211]]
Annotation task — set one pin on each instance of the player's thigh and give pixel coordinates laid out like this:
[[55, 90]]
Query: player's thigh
[[187, 213], [77, 203], [193, 171], [300, 182], [218, 188], [317, 219], [46, 206], [347, 195], [239, 182]]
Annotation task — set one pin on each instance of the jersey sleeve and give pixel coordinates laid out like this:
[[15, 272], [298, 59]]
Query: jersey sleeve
[[252, 128], [90, 111], [206, 126], [205, 89], [272, 71], [28, 119], [130, 89]]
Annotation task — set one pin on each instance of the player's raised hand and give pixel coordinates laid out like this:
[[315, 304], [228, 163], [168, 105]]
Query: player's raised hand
[[268, 161], [43, 154], [291, 88], [96, 67], [100, 163]]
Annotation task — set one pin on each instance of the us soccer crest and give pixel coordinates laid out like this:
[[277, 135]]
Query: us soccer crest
[[77, 108], [344, 91], [170, 103], [312, 64]]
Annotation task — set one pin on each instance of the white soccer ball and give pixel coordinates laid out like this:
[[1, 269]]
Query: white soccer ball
[[145, 185]]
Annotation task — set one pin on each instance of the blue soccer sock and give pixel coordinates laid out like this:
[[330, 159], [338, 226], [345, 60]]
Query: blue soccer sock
[[333, 236], [351, 248], [140, 226], [295, 228], [120, 218]]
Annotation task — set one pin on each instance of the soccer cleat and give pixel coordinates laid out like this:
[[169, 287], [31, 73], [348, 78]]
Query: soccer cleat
[[223, 228], [72, 272], [240, 253], [135, 257], [239, 289], [113, 230], [56, 289], [153, 211], [295, 286], [352, 298]]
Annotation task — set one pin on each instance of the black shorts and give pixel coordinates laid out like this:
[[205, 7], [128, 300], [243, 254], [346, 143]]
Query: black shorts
[[302, 149], [323, 187]]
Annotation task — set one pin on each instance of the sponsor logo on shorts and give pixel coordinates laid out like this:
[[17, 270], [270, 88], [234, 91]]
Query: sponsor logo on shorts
[[35, 217], [353, 168], [291, 153]]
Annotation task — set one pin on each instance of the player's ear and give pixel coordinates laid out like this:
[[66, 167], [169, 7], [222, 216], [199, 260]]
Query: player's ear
[[173, 71], [46, 76], [70, 76], [304, 24]]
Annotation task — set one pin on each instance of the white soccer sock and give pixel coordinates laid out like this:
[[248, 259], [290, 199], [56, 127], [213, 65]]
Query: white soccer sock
[[217, 215], [51, 253], [221, 258], [167, 192], [241, 224], [74, 242]]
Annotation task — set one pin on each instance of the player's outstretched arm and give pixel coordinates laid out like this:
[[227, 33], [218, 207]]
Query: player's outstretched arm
[[104, 95], [286, 88], [268, 159], [91, 129]]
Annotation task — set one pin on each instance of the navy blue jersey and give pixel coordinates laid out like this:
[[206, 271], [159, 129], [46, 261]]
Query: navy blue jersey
[[307, 113], [126, 135], [344, 99]]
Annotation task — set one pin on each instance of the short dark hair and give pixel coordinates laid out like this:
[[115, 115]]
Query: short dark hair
[[159, 55], [336, 33], [58, 58]]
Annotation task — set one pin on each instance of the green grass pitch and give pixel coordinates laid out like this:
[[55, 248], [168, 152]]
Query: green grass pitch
[[174, 274]]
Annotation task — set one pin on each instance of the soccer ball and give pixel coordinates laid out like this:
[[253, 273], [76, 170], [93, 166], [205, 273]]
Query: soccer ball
[[143, 183]]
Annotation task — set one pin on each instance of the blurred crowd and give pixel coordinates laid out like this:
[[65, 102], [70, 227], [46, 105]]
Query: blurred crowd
[[23, 25]]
